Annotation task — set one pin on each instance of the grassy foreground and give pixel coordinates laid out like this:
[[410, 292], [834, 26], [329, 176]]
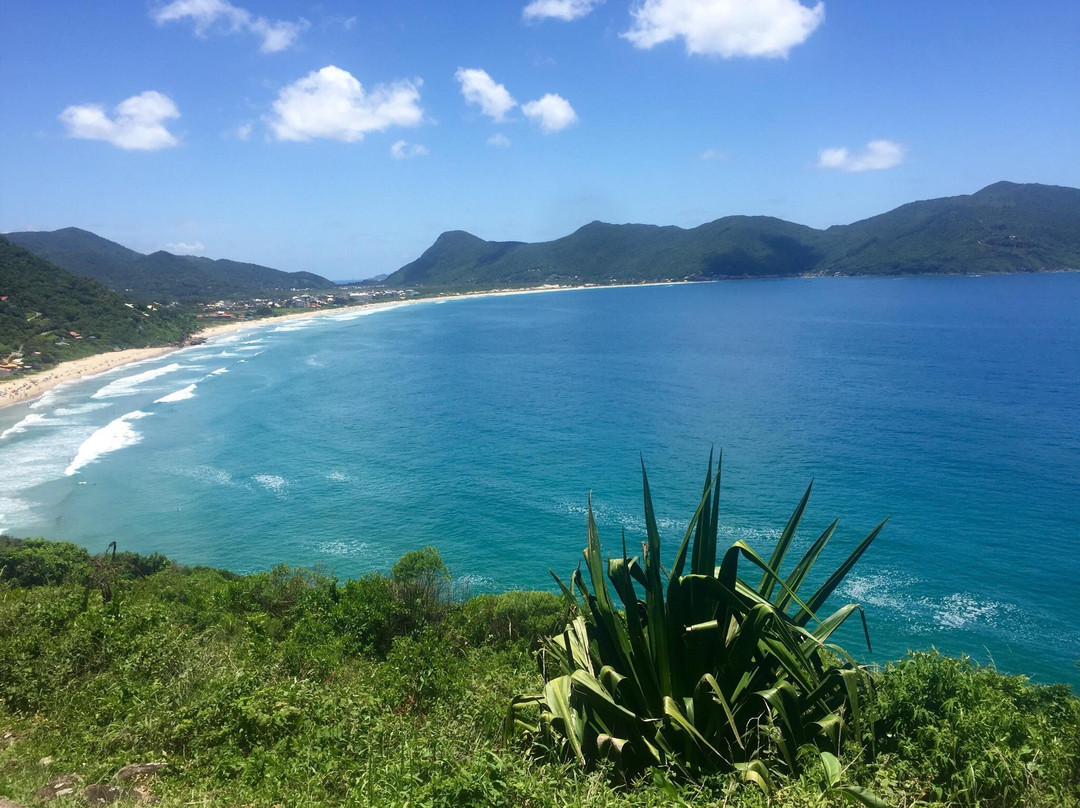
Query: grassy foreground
[[292, 688]]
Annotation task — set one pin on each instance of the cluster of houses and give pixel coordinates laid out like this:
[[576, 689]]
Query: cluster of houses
[[257, 306]]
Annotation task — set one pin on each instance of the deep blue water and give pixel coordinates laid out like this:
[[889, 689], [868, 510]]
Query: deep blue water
[[480, 426]]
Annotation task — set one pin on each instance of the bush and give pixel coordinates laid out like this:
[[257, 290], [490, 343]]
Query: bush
[[972, 736], [510, 617], [37, 562], [369, 615]]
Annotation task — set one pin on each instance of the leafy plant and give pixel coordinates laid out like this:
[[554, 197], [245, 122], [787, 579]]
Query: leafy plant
[[707, 672]]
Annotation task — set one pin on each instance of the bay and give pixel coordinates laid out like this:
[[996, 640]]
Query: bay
[[480, 426]]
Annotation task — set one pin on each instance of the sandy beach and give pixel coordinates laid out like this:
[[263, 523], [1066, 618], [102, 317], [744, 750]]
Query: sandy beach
[[30, 387]]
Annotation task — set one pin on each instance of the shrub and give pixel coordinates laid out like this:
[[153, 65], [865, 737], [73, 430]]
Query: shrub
[[972, 736], [37, 562], [511, 616], [709, 672]]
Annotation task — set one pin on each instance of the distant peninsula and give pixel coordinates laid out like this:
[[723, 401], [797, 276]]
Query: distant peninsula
[[1005, 227]]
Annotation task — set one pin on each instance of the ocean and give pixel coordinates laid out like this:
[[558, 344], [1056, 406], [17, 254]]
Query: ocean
[[481, 425]]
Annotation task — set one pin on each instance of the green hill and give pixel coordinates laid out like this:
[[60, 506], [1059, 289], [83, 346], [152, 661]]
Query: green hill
[[161, 275], [41, 304], [1003, 228]]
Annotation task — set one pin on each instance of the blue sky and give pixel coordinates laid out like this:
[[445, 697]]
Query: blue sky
[[342, 137]]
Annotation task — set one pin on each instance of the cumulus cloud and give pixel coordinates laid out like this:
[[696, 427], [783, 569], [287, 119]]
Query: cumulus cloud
[[566, 10], [138, 123], [404, 151], [184, 248], [276, 35], [877, 156], [482, 90], [727, 28], [331, 103], [500, 140], [551, 113]]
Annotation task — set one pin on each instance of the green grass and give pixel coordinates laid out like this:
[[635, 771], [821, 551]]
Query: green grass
[[290, 688]]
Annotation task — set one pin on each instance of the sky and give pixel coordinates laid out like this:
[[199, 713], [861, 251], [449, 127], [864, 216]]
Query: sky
[[342, 137]]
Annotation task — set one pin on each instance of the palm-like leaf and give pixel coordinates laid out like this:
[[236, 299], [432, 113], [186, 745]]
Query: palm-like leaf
[[694, 666]]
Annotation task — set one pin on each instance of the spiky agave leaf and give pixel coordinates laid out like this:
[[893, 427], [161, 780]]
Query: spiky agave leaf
[[691, 664]]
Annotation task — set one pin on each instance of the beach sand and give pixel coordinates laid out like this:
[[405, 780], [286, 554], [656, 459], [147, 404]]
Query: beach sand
[[29, 387]]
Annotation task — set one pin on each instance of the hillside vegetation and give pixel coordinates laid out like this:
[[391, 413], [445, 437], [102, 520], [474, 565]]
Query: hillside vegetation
[[292, 688], [43, 304], [161, 275], [1003, 228]]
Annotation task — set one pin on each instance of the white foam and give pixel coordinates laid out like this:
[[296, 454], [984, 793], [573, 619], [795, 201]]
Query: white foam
[[113, 436], [126, 386], [212, 475], [338, 477], [46, 400], [218, 372], [23, 425], [341, 548], [180, 395], [273, 483], [82, 409], [962, 609], [289, 328]]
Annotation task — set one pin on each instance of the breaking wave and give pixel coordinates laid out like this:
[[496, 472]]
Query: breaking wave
[[111, 437]]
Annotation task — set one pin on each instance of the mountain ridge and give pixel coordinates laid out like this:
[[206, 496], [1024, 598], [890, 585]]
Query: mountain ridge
[[1004, 227], [48, 314], [160, 275]]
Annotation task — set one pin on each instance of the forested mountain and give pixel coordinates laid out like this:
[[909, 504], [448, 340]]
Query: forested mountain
[[1003, 228], [41, 305], [160, 276]]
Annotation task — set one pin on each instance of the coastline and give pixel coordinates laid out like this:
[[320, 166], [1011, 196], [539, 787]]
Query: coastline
[[29, 388]]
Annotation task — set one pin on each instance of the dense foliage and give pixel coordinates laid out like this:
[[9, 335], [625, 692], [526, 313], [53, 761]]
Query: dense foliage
[[1003, 228], [42, 304], [161, 275], [288, 687]]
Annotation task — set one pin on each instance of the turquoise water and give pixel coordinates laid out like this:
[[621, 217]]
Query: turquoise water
[[481, 425]]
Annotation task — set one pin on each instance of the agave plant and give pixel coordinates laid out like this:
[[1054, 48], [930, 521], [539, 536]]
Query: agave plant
[[699, 670]]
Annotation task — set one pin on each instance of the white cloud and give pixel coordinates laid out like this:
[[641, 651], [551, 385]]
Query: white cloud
[[330, 103], [276, 36], [566, 10], [403, 151], [552, 113], [184, 248], [877, 156], [726, 28], [479, 88], [713, 154], [500, 140], [243, 131], [138, 123]]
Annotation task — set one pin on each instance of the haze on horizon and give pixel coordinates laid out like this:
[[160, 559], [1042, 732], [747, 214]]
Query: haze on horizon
[[341, 138]]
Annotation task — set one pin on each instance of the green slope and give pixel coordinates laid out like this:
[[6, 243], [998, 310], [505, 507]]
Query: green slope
[[43, 303], [1003, 228], [160, 275]]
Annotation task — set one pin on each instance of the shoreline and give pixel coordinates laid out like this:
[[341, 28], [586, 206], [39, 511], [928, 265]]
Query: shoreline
[[26, 389], [29, 388]]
